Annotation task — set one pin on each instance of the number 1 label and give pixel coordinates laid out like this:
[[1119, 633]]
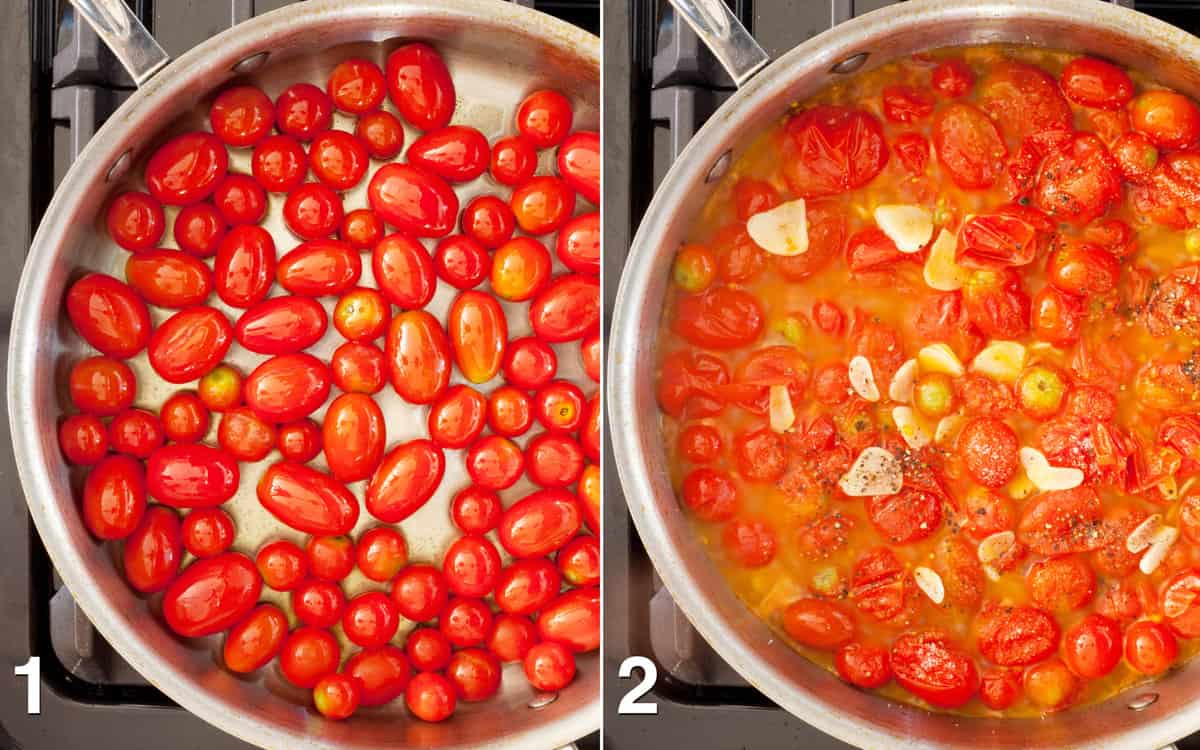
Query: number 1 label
[[32, 672]]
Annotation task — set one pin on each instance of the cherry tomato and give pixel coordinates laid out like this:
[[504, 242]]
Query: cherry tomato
[[488, 220], [1023, 99], [529, 363], [1096, 83], [186, 169], [279, 163], [579, 163], [749, 544], [953, 78], [313, 211], [1177, 597], [589, 431], [579, 561], [1082, 269], [1051, 685], [207, 532], [370, 619], [710, 494], [995, 302], [135, 221], [1000, 687], [102, 386], [1017, 636], [282, 565], [906, 103], [722, 318], [520, 269], [818, 623], [419, 592], [1169, 119], [526, 586], [829, 150], [932, 667], [382, 133], [568, 309], [471, 566], [514, 160], [354, 435], [361, 229], [590, 353], [300, 441], [308, 654], [221, 388], [1056, 316], [461, 262], [544, 117], [578, 244], [457, 418], [240, 200], [338, 159], [559, 406], [409, 475], [287, 387], [475, 674], [428, 649], [359, 368], [968, 146], [413, 200], [553, 460], [542, 204], [169, 278], [83, 439], [1092, 647], [572, 619], [318, 603], [404, 271], [996, 240], [302, 111], [912, 149], [114, 497], [420, 86], [185, 418], [699, 443], [495, 462], [382, 673], [281, 325], [306, 500], [988, 447], [431, 697], [539, 523], [863, 665], [549, 667], [418, 354], [337, 696], [245, 266], [456, 153], [330, 558], [476, 510], [211, 595], [199, 229], [189, 344], [1079, 182], [108, 315], [151, 555], [1061, 583], [356, 86], [465, 622], [381, 553], [511, 637], [193, 475], [478, 333], [241, 116], [751, 196]]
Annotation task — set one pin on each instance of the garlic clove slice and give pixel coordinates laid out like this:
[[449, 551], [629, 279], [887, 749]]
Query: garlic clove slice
[[1045, 476], [782, 230], [875, 472], [930, 583], [909, 226], [941, 271], [862, 378], [940, 357], [1143, 535], [994, 546], [910, 427], [901, 389], [782, 415], [1000, 360], [948, 428], [1160, 545]]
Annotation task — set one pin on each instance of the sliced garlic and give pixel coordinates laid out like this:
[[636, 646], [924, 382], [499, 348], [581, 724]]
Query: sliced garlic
[[1160, 545], [940, 358], [1177, 600], [862, 378], [1141, 537], [875, 472], [901, 389], [909, 226], [930, 583], [782, 415], [948, 428], [783, 230], [941, 271], [1000, 360], [910, 427], [1045, 476], [995, 546]]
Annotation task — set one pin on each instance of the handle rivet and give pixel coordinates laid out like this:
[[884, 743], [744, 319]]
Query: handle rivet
[[1143, 701], [541, 700], [851, 64], [251, 63], [119, 167], [719, 167]]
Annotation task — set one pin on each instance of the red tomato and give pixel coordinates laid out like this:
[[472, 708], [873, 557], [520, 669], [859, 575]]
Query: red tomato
[[476, 510], [722, 318], [1081, 268], [488, 220], [511, 637], [306, 500], [151, 555], [1092, 647], [520, 269], [244, 268], [934, 668], [407, 478], [579, 163], [543, 204], [199, 229], [186, 169], [559, 406], [1023, 99], [108, 315], [829, 150], [382, 133], [988, 447], [968, 146], [578, 244], [313, 211], [282, 565], [700, 443], [1061, 583], [1059, 522], [279, 163], [996, 303], [568, 308], [136, 433], [240, 200], [863, 665], [509, 411], [418, 354], [114, 498], [356, 86], [299, 441], [318, 603], [135, 221], [1000, 687], [475, 674], [281, 325], [544, 117], [404, 271], [458, 417], [211, 595], [419, 592], [1149, 647], [381, 553], [354, 436], [456, 153], [749, 544], [761, 456], [1056, 316], [572, 619], [207, 532], [751, 196], [168, 278], [465, 622], [579, 561], [471, 566], [185, 418], [308, 654], [913, 151], [189, 344], [1169, 119], [337, 696], [549, 667], [953, 78], [102, 386], [514, 160], [382, 673], [590, 353], [539, 523], [710, 494], [1079, 182], [1051, 685], [478, 333], [413, 200], [303, 110], [287, 387], [553, 460], [428, 649], [495, 462], [221, 388], [1096, 83], [818, 623], [361, 228], [338, 159], [420, 86], [907, 517], [370, 619], [529, 363], [1178, 602], [431, 697], [191, 476], [997, 240], [461, 262], [589, 433], [83, 439], [906, 103], [362, 314]]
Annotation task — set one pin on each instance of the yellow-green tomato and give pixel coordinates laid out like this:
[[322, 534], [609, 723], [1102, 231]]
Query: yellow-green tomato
[[933, 395], [695, 268], [1040, 391]]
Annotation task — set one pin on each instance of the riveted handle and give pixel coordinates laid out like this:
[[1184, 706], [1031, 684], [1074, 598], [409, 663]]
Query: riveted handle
[[724, 34], [117, 26]]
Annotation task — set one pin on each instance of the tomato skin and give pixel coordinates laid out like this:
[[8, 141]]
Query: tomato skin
[[428, 649], [456, 153], [362, 314], [135, 221], [419, 592], [511, 637], [495, 462], [108, 315], [186, 169], [102, 386], [818, 623], [1092, 647], [514, 160], [312, 211], [431, 697], [520, 269], [471, 566], [722, 318], [478, 333], [996, 240], [302, 111], [413, 200], [383, 673], [476, 510], [185, 418], [383, 134], [465, 621], [418, 354], [381, 552], [281, 325], [549, 667], [488, 220], [1150, 648], [114, 498], [458, 417], [279, 163], [338, 159], [83, 439], [189, 344], [287, 387], [863, 665], [191, 476], [337, 696], [996, 303], [832, 149], [953, 78], [356, 86], [542, 204], [461, 262], [211, 595], [1023, 99], [240, 200], [578, 244], [408, 476], [168, 278], [529, 363], [199, 229], [906, 103], [1056, 316], [539, 523], [988, 447], [244, 268], [572, 619], [553, 460], [370, 619], [579, 163], [207, 532], [932, 667], [968, 145], [308, 654], [152, 553], [354, 436], [1169, 119], [475, 674], [306, 500], [1096, 83], [256, 640], [1078, 182], [544, 117], [1082, 269], [420, 86], [404, 271]]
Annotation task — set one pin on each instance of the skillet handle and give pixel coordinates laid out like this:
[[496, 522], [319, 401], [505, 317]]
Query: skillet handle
[[115, 23], [724, 34]]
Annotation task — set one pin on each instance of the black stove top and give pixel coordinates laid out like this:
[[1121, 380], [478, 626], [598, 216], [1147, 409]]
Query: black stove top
[[653, 106], [59, 84]]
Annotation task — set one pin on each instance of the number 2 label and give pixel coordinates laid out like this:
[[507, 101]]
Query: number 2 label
[[629, 703], [32, 672]]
